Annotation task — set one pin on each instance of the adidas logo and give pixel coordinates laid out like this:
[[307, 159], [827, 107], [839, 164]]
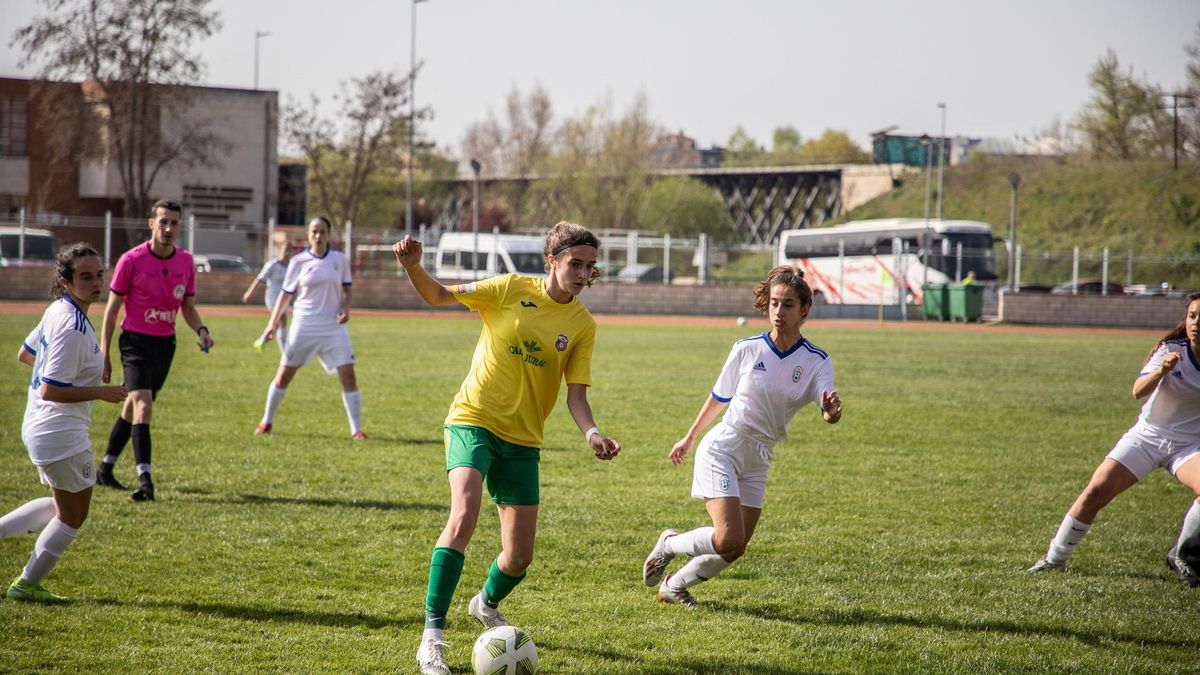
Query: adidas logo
[[760, 366]]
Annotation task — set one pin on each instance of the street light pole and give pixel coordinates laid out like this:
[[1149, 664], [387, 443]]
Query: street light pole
[[1014, 180], [258, 35], [412, 117], [941, 159], [475, 166], [925, 244]]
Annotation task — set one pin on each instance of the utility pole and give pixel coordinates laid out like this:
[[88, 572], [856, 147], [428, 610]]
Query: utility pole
[[1175, 106]]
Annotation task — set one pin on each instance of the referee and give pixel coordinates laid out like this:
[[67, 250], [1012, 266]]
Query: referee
[[153, 281]]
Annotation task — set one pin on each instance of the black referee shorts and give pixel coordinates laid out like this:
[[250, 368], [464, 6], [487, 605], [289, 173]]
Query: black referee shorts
[[146, 360]]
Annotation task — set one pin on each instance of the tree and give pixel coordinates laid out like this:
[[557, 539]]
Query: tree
[[1190, 117], [833, 147], [518, 147], [357, 152], [134, 58], [1122, 120], [742, 150]]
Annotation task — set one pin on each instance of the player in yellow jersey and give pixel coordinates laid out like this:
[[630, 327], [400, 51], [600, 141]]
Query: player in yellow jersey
[[535, 333]]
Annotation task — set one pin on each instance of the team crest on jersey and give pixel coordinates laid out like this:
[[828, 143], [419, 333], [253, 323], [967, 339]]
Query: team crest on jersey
[[178, 292], [723, 483], [561, 343], [797, 373]]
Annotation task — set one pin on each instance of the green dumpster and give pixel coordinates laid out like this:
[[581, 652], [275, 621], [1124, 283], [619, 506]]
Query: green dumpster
[[935, 303], [966, 302]]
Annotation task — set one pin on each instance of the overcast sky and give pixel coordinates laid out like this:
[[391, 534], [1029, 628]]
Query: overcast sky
[[1003, 68]]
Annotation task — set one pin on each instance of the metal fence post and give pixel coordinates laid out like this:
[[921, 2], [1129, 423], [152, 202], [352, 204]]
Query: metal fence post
[[703, 271], [1129, 269], [21, 239], [842, 272], [350, 243], [958, 262], [1075, 272], [1017, 271], [1104, 274], [666, 258], [107, 239], [192, 233], [631, 253]]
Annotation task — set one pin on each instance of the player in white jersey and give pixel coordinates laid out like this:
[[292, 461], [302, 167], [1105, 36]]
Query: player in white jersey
[[271, 276], [317, 286], [765, 381], [1166, 434], [67, 365]]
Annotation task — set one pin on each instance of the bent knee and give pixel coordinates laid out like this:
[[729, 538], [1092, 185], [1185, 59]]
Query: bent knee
[[519, 562], [730, 548]]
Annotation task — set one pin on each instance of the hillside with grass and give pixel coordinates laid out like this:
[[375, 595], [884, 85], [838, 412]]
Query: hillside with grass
[[1143, 207]]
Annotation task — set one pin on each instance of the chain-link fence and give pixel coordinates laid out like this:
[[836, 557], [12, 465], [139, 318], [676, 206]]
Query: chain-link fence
[[1099, 271]]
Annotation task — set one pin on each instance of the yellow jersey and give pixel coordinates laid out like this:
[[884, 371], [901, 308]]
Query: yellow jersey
[[529, 343]]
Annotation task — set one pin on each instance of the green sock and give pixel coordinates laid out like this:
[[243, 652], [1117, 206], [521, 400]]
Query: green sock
[[498, 585], [444, 571]]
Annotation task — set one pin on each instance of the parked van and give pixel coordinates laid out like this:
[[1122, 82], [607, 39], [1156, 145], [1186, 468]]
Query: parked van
[[497, 254], [40, 246]]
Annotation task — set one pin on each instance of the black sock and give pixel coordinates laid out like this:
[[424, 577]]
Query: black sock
[[141, 445], [118, 437]]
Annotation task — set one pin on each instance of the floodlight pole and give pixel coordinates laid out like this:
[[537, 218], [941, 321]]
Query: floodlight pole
[[475, 167], [258, 35], [1015, 181], [412, 118], [926, 243], [941, 160]]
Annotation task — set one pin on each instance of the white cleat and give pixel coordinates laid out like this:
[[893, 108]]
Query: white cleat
[[657, 561], [432, 659], [1045, 565], [673, 597], [490, 618]]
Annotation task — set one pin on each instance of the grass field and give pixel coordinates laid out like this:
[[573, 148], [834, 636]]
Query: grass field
[[893, 541]]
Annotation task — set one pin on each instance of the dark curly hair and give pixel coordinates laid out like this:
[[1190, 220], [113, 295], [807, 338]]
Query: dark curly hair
[[783, 275], [566, 235], [64, 266]]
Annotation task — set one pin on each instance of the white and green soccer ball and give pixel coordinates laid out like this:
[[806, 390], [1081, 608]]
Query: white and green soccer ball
[[505, 650]]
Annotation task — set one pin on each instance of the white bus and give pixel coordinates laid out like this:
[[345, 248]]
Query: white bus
[[872, 262]]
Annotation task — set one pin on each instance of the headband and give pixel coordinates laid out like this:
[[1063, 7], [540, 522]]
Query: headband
[[581, 240]]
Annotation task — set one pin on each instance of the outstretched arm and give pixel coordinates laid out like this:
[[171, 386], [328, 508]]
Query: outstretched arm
[[708, 412], [581, 412], [408, 254]]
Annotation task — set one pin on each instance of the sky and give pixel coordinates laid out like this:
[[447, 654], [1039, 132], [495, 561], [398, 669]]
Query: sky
[[1003, 69]]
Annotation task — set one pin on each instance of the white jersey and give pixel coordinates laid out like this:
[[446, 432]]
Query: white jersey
[[272, 274], [316, 282], [1174, 407], [765, 387], [66, 354]]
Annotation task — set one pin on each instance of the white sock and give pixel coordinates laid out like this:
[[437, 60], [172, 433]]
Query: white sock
[[50, 546], [1069, 534], [353, 402], [694, 542], [1189, 535], [27, 518], [274, 398], [435, 634], [143, 468], [281, 337], [697, 570]]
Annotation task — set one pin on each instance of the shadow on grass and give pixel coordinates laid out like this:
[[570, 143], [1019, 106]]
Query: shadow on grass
[[269, 614], [860, 617], [695, 663], [206, 496]]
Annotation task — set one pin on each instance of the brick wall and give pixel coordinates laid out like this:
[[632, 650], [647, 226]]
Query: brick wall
[[1127, 311]]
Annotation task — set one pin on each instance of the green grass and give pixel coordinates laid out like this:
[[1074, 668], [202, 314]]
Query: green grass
[[893, 541]]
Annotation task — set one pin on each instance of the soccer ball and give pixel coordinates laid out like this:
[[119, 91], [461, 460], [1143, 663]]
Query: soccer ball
[[505, 650], [741, 321]]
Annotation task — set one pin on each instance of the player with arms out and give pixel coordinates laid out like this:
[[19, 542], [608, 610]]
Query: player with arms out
[[766, 380], [271, 276], [317, 285], [1166, 435], [66, 361], [536, 333], [153, 281]]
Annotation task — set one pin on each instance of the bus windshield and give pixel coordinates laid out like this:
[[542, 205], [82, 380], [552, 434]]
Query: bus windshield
[[978, 255]]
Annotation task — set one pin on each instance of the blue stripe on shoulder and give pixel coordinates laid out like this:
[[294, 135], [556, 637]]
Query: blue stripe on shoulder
[[721, 399], [29, 349], [56, 382], [814, 349]]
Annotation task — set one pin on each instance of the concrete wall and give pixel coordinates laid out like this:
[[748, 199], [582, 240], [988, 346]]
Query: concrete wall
[[1128, 311]]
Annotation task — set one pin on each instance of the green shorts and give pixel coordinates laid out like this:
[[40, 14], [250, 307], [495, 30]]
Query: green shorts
[[510, 470]]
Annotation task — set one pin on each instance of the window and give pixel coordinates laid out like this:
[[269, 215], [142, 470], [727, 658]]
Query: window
[[14, 123]]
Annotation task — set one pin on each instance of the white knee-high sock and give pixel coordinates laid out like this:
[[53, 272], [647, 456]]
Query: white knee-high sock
[[27, 518], [353, 402], [697, 570], [274, 398], [1069, 534], [50, 546], [694, 542], [1189, 535]]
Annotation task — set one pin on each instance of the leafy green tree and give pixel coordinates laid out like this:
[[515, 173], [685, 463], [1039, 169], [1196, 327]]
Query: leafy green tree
[[686, 207], [1122, 120], [742, 150], [833, 147]]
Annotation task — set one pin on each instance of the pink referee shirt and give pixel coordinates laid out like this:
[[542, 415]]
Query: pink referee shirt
[[153, 288]]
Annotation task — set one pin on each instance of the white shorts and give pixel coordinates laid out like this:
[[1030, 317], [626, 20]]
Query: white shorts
[[1143, 449], [330, 344], [270, 297], [729, 464], [73, 474]]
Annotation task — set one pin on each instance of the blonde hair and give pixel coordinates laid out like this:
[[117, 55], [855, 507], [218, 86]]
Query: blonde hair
[[783, 275], [565, 235]]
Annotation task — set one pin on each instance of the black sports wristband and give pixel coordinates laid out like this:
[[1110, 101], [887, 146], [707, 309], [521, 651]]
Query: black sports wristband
[[202, 328]]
